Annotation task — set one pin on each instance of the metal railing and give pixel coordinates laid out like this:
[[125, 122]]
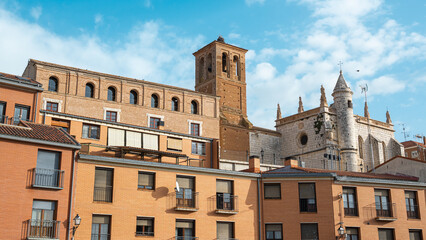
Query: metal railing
[[46, 229], [226, 202], [351, 212], [413, 211], [186, 199], [101, 236], [185, 238], [102, 194], [381, 211], [144, 233], [49, 178]]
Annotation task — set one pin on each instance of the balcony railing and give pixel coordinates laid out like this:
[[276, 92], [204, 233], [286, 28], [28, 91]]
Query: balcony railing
[[144, 233], [413, 212], [351, 212], [226, 203], [186, 200], [102, 194], [185, 238], [385, 211], [101, 236], [43, 229], [47, 178]]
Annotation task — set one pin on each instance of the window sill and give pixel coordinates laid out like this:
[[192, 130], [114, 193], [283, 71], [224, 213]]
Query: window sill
[[95, 139], [173, 150], [351, 216], [144, 235], [145, 189], [272, 198]]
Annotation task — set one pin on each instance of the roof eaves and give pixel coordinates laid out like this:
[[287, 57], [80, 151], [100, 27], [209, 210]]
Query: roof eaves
[[38, 141], [380, 181]]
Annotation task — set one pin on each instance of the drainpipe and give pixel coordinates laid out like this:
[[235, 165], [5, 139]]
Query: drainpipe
[[35, 108], [71, 195], [211, 153], [258, 207]]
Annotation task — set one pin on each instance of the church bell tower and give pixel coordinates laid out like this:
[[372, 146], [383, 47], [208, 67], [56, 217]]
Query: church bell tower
[[220, 70]]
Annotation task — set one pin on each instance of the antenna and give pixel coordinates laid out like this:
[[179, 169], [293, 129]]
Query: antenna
[[177, 188], [403, 131], [364, 89]]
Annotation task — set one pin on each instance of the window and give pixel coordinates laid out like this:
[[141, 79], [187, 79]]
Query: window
[[175, 104], [103, 185], [352, 233], [133, 97], [111, 116], [272, 190], [185, 196], [146, 180], [2, 112], [154, 122], [101, 227], [386, 234], [150, 141], [349, 201], [194, 107], [411, 204], [144, 226], [201, 70], [360, 147], [382, 203], [185, 229], [91, 131], [90, 89], [21, 113], [64, 124], [195, 129], [414, 154], [51, 106], [53, 84], [43, 222], [350, 105], [224, 62], [198, 148], [209, 63], [174, 144], [307, 199], [274, 231], [111, 94], [47, 173], [224, 195], [154, 101], [237, 66], [225, 230], [309, 231], [415, 234], [304, 139]]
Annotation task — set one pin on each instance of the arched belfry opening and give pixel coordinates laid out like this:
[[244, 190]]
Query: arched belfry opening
[[201, 70], [224, 62], [237, 66]]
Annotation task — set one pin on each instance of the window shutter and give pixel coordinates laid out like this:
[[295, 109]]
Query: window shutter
[[46, 205], [223, 186], [348, 190], [144, 222], [410, 194], [174, 143], [224, 230], [185, 182], [182, 224], [351, 230], [48, 160], [150, 141], [307, 190], [103, 177], [99, 219], [273, 191], [115, 137], [381, 192], [385, 234], [133, 139], [273, 227], [146, 179]]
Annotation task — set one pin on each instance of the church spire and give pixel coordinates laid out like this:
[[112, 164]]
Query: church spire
[[388, 118], [341, 83], [366, 113], [279, 112], [323, 98], [300, 109]]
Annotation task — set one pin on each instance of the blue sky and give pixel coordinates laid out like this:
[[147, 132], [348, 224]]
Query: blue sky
[[294, 47]]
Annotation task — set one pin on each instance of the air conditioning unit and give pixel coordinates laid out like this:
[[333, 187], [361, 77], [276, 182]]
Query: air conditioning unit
[[161, 123]]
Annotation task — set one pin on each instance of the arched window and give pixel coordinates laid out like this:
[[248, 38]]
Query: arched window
[[209, 63], [89, 90], [194, 107], [384, 151], [224, 62], [111, 94], [360, 147], [201, 70], [237, 66], [133, 97], [53, 84], [175, 104], [154, 101]]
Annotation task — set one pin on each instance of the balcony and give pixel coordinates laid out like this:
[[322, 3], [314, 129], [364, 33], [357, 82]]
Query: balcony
[[102, 194], [413, 212], [186, 200], [47, 178], [226, 203], [351, 212], [384, 212], [185, 238], [43, 229], [101, 236]]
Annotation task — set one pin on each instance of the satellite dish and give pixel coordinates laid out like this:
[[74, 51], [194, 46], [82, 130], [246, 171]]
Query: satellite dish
[[177, 188]]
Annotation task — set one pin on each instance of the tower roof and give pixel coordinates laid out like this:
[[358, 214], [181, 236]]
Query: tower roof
[[341, 83]]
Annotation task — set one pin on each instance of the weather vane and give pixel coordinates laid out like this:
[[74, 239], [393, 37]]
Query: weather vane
[[340, 64]]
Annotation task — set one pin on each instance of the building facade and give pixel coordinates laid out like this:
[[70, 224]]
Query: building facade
[[415, 150]]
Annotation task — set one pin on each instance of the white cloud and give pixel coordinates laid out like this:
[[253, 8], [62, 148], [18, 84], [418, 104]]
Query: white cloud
[[98, 19], [251, 2], [234, 36], [148, 52], [36, 12]]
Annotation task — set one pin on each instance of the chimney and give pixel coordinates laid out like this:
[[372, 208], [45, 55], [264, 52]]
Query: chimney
[[254, 164], [292, 162]]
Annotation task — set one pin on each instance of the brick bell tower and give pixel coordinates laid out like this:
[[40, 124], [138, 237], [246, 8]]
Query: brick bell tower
[[220, 70]]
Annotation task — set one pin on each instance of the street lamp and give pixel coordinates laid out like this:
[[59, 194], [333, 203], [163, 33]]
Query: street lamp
[[77, 221], [341, 232]]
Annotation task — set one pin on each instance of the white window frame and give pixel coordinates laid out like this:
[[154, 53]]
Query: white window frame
[[117, 110], [59, 102], [198, 122], [149, 116]]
